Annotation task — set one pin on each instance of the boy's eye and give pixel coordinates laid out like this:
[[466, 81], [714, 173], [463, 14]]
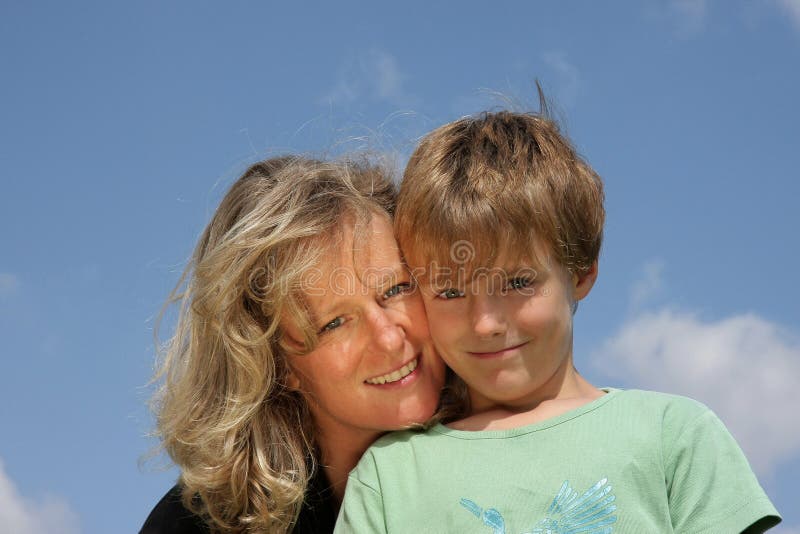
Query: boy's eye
[[332, 325], [398, 289], [451, 293], [519, 283]]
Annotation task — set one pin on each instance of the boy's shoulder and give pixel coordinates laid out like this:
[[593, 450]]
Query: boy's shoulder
[[675, 420], [653, 401]]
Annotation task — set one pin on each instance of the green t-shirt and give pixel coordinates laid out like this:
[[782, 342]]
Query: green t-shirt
[[628, 462]]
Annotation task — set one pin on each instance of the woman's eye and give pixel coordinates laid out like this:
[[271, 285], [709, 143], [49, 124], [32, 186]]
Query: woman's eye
[[332, 325], [519, 283], [451, 293], [397, 290]]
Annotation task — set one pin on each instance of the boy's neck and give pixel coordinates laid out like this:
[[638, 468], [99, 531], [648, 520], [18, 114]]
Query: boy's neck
[[564, 392]]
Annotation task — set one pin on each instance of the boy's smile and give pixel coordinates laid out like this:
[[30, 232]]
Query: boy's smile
[[499, 353], [510, 342]]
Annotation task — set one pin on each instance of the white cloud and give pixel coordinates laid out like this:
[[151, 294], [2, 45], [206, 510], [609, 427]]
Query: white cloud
[[9, 284], [744, 367], [374, 74], [691, 13], [791, 8], [19, 515], [388, 79], [649, 285], [567, 75], [688, 17]]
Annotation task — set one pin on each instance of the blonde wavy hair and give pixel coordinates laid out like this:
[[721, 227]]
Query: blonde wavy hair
[[244, 440]]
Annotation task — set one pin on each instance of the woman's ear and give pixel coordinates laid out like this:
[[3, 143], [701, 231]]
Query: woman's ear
[[289, 343], [583, 283], [292, 382]]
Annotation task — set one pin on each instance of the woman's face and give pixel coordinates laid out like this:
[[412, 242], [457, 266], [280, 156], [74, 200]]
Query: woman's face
[[374, 368]]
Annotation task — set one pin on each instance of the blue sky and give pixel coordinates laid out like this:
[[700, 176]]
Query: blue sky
[[122, 124]]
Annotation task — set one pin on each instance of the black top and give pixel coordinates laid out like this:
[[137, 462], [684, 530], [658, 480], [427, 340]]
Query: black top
[[317, 515]]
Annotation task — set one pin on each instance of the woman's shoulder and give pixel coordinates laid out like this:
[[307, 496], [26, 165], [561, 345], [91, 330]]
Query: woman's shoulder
[[318, 513], [171, 516]]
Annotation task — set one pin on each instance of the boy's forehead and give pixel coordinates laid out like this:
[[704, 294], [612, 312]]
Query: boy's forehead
[[461, 263]]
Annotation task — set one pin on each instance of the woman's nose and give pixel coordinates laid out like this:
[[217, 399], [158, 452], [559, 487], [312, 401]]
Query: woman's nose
[[387, 334]]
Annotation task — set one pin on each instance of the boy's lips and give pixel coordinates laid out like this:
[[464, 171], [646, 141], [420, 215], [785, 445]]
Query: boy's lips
[[496, 353]]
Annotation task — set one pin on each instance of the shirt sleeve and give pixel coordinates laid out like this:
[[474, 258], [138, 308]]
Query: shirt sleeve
[[710, 485], [362, 507]]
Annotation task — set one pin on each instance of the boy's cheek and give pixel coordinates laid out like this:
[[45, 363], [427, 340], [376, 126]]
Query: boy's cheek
[[437, 314], [428, 299], [444, 327]]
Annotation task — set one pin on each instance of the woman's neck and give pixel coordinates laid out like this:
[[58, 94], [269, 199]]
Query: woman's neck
[[340, 452]]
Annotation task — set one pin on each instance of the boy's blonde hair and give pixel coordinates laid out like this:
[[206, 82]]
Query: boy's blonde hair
[[499, 182]]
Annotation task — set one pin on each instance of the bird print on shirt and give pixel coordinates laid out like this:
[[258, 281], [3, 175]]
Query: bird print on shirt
[[570, 512]]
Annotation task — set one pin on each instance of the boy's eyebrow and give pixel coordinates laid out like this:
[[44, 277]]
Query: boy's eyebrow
[[532, 269], [462, 279]]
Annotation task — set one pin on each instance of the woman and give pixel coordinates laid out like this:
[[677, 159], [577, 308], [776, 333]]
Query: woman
[[300, 340]]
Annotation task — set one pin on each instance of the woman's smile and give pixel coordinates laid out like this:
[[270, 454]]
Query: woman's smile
[[396, 376], [374, 366]]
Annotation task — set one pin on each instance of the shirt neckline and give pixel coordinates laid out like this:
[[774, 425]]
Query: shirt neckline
[[611, 393]]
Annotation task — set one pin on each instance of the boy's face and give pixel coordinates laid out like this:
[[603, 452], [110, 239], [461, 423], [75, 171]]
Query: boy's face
[[507, 331]]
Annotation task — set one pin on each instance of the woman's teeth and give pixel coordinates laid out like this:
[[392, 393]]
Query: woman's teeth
[[394, 376]]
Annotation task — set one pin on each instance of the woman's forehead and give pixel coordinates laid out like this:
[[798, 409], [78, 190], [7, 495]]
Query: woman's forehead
[[359, 260], [359, 245]]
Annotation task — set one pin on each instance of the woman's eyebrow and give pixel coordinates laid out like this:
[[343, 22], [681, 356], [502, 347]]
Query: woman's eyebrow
[[384, 277], [340, 303]]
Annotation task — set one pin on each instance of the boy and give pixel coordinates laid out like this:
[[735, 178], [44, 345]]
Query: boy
[[501, 222]]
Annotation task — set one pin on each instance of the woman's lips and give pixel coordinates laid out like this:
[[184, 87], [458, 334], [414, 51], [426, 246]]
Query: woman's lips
[[402, 375], [497, 353]]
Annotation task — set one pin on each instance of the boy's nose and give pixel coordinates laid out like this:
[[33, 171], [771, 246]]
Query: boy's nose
[[488, 319]]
